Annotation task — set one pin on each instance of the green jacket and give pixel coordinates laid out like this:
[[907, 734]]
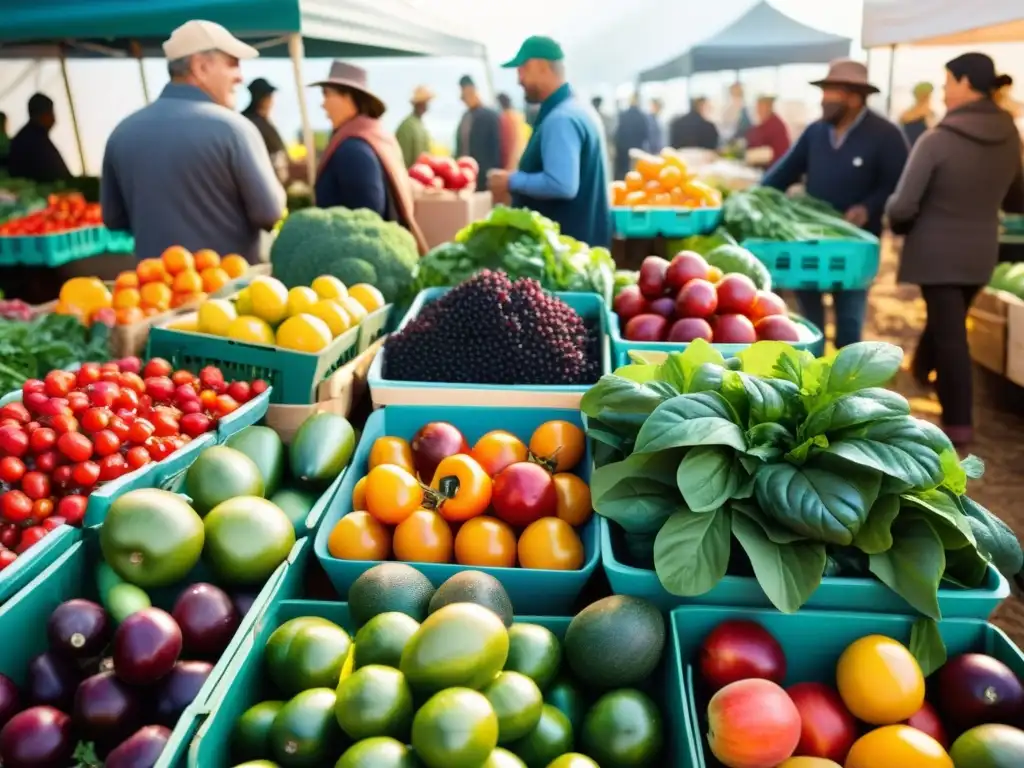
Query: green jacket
[[413, 138]]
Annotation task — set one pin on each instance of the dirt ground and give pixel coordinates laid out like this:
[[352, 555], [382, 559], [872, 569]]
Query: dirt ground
[[896, 314]]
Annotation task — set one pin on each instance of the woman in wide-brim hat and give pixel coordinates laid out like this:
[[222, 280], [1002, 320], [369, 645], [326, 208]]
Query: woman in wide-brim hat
[[362, 166]]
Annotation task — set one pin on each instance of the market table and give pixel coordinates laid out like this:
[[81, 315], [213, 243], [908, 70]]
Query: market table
[[38, 285]]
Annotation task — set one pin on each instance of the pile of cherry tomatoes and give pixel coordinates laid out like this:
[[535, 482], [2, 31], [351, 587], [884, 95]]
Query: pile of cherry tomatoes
[[501, 503], [72, 432], [62, 213]]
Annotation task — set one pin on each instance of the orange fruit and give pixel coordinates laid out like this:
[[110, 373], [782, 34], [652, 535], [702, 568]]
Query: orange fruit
[[635, 198], [234, 265], [368, 296], [715, 274], [150, 311], [423, 537], [359, 494], [392, 493], [670, 177], [206, 259], [214, 278], [574, 505], [879, 680], [127, 297], [618, 192], [486, 542], [155, 295], [660, 199], [652, 187], [634, 181], [181, 299], [472, 491], [649, 166], [358, 536], [560, 443], [677, 196], [188, 281], [177, 259], [551, 544], [151, 270], [897, 746], [392, 450], [497, 449], [129, 315], [126, 280]]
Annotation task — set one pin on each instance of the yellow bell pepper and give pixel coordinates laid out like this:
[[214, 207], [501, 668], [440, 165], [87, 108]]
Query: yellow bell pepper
[[84, 295]]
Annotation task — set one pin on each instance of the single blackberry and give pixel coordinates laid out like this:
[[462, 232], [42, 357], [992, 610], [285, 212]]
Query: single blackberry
[[489, 330]]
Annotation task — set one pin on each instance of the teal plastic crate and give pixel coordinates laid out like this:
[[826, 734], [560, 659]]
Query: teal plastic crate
[[244, 685], [249, 414], [665, 222], [532, 591], [814, 342], [293, 376], [383, 391], [812, 642], [119, 242], [818, 265], [835, 593], [36, 559], [374, 326], [1013, 224], [72, 574], [52, 250]]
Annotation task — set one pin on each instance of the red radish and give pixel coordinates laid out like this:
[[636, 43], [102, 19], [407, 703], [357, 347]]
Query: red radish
[[629, 303], [697, 299], [828, 730], [975, 688], [687, 329], [684, 267], [740, 649], [767, 303], [652, 277], [776, 328], [734, 329], [927, 720], [433, 443], [665, 306], [736, 294], [646, 328]]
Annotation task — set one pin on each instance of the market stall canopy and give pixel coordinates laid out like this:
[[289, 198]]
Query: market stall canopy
[[941, 22], [761, 37], [330, 28]]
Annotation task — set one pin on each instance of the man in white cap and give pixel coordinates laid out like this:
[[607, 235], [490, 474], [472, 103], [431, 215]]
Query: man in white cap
[[187, 169], [412, 134]]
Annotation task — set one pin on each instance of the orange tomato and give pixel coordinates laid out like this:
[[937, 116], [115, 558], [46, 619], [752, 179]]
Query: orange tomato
[[359, 536], [127, 297], [634, 181], [714, 274], [635, 198], [126, 280], [486, 542], [214, 278], [660, 199], [181, 299], [423, 537], [897, 746], [392, 493], [150, 311], [150, 271], [188, 281], [618, 192], [392, 450], [206, 259], [879, 680], [677, 197], [209, 399], [671, 157], [497, 449], [464, 487], [156, 295], [358, 493], [551, 544], [560, 443], [574, 505], [129, 315], [670, 177], [649, 166], [652, 187], [234, 265], [177, 259]]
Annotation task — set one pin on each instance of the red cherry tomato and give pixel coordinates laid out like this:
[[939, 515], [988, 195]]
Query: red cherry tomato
[[258, 387], [30, 537], [182, 377], [11, 469], [120, 427], [32, 386], [64, 423], [78, 402], [13, 441], [95, 419], [58, 383], [113, 466], [225, 405], [85, 473], [42, 509], [6, 558], [72, 509], [76, 446], [42, 440], [61, 476], [105, 442], [137, 456], [36, 485], [16, 411], [128, 399], [87, 374], [132, 381], [157, 367], [15, 507], [165, 424], [9, 535], [48, 461], [141, 430]]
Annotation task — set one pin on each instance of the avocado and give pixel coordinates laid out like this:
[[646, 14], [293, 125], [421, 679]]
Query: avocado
[[264, 447], [305, 731], [321, 449], [615, 642], [296, 504], [250, 739], [623, 728], [474, 587], [221, 473], [382, 639], [389, 587], [247, 538]]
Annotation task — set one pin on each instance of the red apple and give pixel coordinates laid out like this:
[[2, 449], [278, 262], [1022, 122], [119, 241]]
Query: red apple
[[665, 306], [767, 303], [425, 158], [740, 649], [734, 329], [422, 173], [646, 327], [752, 724], [927, 720], [442, 165], [736, 294], [687, 329], [828, 729], [698, 298], [684, 267], [434, 442], [458, 179], [776, 328], [468, 162], [629, 303], [652, 277]]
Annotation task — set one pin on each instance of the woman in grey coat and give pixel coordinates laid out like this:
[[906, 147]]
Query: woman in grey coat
[[960, 173]]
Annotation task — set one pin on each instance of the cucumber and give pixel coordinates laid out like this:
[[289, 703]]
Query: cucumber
[[120, 598]]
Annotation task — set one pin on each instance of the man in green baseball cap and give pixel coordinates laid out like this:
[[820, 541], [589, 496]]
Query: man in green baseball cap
[[920, 117], [562, 172]]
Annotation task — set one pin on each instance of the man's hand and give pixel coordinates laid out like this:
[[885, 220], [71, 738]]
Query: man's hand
[[857, 215], [497, 182]]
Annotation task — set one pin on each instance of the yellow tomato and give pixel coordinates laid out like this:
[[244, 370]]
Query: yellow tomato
[[368, 296], [358, 536], [330, 311], [85, 294], [304, 333], [574, 505], [301, 300], [485, 542], [329, 287], [392, 493], [879, 680], [215, 316], [249, 328], [269, 299], [392, 450], [897, 746], [423, 537], [551, 544], [359, 494], [809, 762]]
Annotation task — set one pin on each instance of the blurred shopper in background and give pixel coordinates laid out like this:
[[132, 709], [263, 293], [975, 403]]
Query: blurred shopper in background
[[770, 133], [479, 134], [633, 131], [412, 134], [514, 132], [657, 134], [920, 117], [260, 105], [32, 154], [735, 116], [693, 130]]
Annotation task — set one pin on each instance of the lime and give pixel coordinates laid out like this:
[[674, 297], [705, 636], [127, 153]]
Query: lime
[[378, 752], [623, 728], [382, 639], [247, 538], [456, 728], [308, 652], [502, 758], [517, 702], [251, 737], [551, 738], [534, 651], [374, 701]]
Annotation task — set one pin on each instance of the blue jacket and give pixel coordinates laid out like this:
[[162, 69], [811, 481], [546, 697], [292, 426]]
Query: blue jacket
[[354, 178], [483, 143], [633, 132]]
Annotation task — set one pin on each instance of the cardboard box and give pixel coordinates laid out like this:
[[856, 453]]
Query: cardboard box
[[987, 329], [1015, 342], [442, 214]]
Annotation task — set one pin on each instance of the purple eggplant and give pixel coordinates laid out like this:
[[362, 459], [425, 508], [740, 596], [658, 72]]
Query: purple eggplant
[[52, 680], [179, 689], [79, 629], [39, 737], [140, 750]]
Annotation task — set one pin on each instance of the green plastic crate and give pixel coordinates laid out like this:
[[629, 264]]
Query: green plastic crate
[[293, 376], [819, 265], [244, 685], [23, 618], [36, 559], [374, 325], [120, 242], [52, 250], [812, 642]]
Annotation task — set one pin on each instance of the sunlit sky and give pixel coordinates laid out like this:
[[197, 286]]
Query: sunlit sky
[[607, 44]]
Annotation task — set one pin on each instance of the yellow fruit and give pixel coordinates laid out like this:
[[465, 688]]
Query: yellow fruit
[[189, 324], [243, 302], [215, 316], [329, 287], [85, 294], [301, 300], [879, 680], [304, 333], [337, 319], [355, 310], [269, 299], [368, 296], [249, 328], [897, 746]]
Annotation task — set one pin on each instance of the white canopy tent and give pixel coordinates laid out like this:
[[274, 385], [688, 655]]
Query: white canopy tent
[[941, 22]]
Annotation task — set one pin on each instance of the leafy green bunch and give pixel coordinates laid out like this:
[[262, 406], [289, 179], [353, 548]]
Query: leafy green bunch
[[31, 349], [809, 465]]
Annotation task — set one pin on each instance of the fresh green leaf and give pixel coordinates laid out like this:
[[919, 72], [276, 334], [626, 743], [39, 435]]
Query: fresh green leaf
[[904, 448], [768, 441], [639, 492], [966, 567], [621, 404], [945, 514], [802, 452], [776, 533], [788, 573], [913, 566], [763, 358], [863, 365], [927, 645], [853, 409], [680, 367], [708, 476], [954, 477], [995, 539], [691, 552], [641, 373], [703, 418], [734, 393], [973, 467], [875, 536], [823, 500], [707, 378], [769, 399]]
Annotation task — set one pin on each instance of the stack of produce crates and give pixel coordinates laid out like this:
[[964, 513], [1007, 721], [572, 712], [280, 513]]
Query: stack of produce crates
[[819, 265]]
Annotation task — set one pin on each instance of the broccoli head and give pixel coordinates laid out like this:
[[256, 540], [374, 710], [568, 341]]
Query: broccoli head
[[356, 246]]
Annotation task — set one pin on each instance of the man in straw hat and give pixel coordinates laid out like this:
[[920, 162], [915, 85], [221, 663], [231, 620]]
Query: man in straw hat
[[187, 169], [851, 158], [412, 134]]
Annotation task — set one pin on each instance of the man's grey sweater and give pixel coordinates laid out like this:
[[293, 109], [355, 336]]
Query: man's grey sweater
[[186, 171]]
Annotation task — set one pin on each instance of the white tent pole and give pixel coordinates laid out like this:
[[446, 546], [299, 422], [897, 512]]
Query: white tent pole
[[296, 50], [892, 79], [137, 53], [71, 107], [490, 76]]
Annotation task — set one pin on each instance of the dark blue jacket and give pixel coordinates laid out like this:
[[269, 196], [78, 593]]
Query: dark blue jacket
[[354, 178], [633, 132], [863, 170], [484, 144]]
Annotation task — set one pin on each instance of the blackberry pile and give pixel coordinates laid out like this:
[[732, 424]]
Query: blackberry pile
[[489, 330]]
